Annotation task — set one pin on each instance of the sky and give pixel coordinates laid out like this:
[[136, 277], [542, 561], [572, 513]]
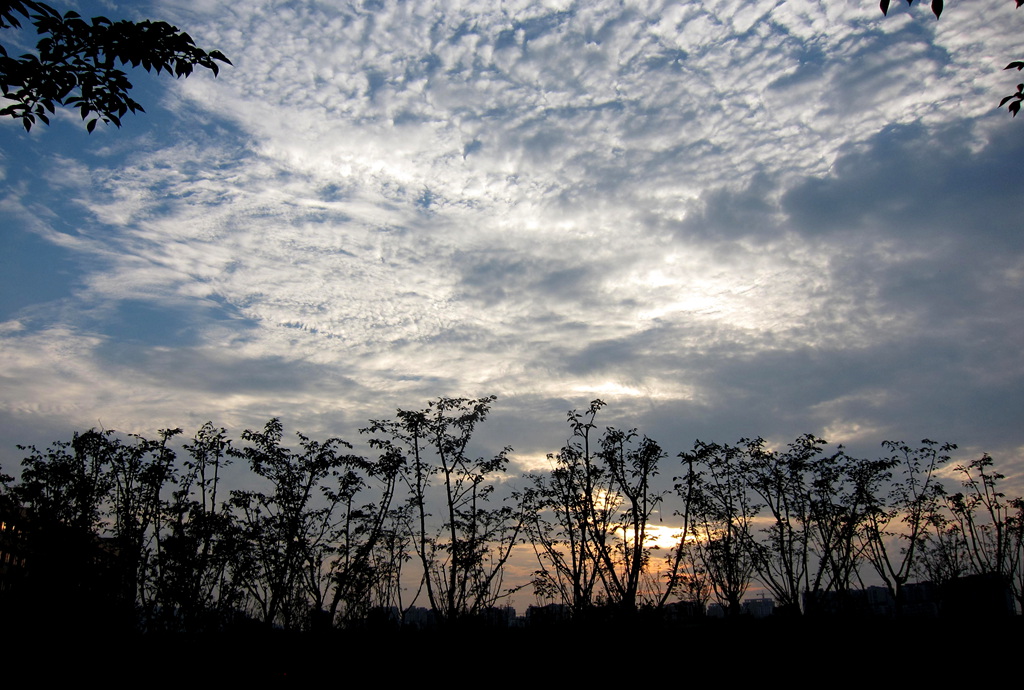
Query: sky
[[725, 219]]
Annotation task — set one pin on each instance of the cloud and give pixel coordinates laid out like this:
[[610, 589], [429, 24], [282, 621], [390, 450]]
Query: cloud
[[920, 181], [727, 218], [723, 214]]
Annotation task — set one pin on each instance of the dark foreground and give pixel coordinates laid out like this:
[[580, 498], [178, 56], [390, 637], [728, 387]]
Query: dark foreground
[[799, 652]]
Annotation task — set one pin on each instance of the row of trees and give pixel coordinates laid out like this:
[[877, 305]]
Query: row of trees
[[795, 521], [127, 525], [319, 535]]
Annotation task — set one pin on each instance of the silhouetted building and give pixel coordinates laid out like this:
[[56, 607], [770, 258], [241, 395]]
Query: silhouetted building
[[969, 597], [52, 571], [987, 595], [758, 608], [498, 616], [920, 600], [420, 617], [871, 601], [384, 617], [683, 610], [548, 615], [13, 557]]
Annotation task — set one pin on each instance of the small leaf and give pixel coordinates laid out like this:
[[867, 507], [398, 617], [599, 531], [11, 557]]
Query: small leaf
[[937, 7], [1019, 65], [884, 5], [91, 126]]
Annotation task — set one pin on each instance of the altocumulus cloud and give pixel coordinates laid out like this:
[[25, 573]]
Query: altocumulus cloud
[[725, 218]]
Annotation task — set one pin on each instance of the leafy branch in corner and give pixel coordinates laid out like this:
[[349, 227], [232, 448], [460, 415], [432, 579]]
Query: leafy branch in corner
[[76, 63], [1014, 99]]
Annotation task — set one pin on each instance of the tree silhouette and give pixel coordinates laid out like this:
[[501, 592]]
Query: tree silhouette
[[463, 558], [76, 63], [361, 575], [589, 519], [843, 492], [987, 524], [139, 471], [632, 467], [289, 530], [194, 588], [894, 531], [576, 547], [723, 514], [577, 495], [783, 558]]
